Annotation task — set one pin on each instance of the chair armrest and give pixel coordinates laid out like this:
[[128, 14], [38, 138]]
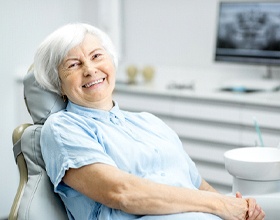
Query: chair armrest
[[22, 171]]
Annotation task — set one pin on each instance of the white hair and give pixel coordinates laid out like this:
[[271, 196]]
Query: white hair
[[55, 47]]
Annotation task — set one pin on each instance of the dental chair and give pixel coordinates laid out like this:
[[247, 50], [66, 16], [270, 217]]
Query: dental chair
[[35, 199]]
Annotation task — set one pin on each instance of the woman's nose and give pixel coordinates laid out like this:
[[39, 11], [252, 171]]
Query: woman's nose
[[90, 69]]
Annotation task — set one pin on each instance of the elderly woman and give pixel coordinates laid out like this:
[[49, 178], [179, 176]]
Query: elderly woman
[[106, 163]]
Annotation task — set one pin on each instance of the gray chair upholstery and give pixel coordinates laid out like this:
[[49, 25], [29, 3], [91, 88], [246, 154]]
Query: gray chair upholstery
[[35, 198]]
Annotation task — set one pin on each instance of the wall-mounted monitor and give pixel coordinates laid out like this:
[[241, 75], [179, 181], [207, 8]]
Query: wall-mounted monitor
[[248, 32]]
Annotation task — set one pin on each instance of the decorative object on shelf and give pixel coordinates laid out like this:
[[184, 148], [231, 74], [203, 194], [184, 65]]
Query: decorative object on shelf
[[131, 72], [148, 73]]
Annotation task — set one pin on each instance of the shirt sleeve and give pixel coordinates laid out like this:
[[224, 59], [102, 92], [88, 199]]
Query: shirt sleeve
[[66, 143]]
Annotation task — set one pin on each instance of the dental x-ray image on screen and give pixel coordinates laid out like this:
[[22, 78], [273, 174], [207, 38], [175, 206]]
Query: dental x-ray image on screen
[[249, 32]]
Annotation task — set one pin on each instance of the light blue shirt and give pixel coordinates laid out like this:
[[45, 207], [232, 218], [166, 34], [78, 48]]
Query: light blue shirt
[[137, 143]]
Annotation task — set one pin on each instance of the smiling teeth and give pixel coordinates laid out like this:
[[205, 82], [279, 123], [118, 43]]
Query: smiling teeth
[[93, 83]]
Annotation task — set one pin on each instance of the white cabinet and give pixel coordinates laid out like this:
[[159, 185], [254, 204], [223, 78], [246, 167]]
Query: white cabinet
[[149, 102], [208, 126]]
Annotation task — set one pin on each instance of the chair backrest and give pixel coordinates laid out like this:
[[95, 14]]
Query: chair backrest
[[35, 198]]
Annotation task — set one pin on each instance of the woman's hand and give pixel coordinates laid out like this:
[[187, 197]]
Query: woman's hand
[[240, 208], [254, 212], [233, 208]]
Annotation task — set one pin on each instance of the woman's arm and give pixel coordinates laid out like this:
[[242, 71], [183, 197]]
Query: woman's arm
[[120, 190]]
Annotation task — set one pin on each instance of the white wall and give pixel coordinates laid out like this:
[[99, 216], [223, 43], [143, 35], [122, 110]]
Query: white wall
[[24, 24], [178, 34]]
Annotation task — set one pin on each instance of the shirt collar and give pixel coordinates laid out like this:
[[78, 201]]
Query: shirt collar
[[95, 113]]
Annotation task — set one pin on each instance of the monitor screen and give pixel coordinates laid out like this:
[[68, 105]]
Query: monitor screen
[[249, 32]]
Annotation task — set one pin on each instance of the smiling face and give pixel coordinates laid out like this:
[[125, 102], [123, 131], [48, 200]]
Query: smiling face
[[87, 75]]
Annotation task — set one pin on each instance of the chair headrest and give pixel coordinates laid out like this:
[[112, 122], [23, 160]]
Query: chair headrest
[[39, 102]]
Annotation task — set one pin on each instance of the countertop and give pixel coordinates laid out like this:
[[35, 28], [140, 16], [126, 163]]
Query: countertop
[[201, 92]]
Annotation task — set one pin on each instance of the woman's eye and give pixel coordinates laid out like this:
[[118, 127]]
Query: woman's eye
[[73, 65], [95, 56]]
